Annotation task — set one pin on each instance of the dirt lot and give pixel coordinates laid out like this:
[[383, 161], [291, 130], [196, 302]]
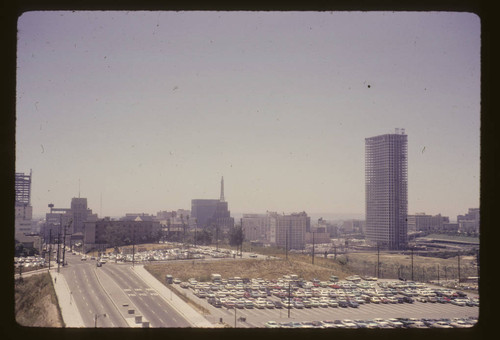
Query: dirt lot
[[424, 268], [265, 269], [36, 302]]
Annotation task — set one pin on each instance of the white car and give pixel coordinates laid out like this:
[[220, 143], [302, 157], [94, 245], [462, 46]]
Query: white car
[[272, 324], [441, 324], [349, 323]]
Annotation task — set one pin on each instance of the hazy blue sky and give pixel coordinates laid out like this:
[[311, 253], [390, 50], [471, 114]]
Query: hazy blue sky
[[150, 109]]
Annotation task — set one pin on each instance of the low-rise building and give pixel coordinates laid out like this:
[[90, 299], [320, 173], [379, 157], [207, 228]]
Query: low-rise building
[[105, 232], [470, 222], [426, 223]]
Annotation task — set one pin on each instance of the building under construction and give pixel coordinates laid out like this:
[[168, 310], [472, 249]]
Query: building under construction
[[23, 188], [386, 179]]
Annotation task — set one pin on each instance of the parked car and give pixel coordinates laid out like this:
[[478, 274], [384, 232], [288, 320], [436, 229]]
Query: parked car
[[343, 303], [440, 324], [353, 304], [278, 304], [298, 304], [407, 299], [272, 324]]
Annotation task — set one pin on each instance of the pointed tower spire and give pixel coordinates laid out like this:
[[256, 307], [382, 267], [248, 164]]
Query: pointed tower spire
[[222, 189]]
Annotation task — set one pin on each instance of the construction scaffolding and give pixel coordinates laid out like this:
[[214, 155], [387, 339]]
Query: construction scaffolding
[[23, 188]]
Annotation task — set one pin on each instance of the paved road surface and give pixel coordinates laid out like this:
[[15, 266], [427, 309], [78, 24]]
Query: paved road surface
[[89, 296], [114, 290], [147, 300]]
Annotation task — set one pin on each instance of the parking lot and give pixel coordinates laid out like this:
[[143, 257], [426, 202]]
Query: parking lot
[[178, 251], [255, 302]]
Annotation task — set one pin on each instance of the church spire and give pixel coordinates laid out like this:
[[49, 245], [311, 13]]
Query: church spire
[[222, 189]]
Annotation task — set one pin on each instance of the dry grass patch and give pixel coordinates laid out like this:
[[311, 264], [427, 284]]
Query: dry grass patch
[[245, 268], [36, 302]]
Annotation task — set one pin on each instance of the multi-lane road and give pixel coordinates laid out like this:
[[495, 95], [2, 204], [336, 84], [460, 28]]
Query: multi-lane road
[[104, 295], [147, 300]]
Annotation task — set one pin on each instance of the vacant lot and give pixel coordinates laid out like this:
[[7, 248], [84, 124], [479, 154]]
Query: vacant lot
[[36, 303], [265, 269]]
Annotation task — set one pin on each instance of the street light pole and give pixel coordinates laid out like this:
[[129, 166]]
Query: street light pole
[[133, 246]]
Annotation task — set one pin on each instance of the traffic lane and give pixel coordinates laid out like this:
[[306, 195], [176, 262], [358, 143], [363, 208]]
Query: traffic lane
[[112, 314], [92, 299], [157, 311], [136, 295], [95, 304], [153, 307], [80, 295]]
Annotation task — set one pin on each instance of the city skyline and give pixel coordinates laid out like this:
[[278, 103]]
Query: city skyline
[[151, 109]]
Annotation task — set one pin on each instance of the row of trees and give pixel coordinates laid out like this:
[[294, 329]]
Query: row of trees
[[116, 236], [21, 251]]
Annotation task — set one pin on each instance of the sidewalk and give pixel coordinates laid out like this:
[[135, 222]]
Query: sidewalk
[[70, 314], [188, 312]]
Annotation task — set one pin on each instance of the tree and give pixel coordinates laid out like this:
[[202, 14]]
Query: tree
[[205, 236], [236, 236], [114, 236]]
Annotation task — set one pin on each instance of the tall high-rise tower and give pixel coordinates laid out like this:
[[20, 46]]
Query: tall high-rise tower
[[24, 210], [222, 189], [386, 180]]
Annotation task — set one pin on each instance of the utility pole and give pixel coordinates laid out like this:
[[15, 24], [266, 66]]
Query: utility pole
[[59, 245], [64, 242], [217, 237], [286, 239], [378, 260], [289, 297], [195, 231], [477, 265], [184, 232], [313, 249], [50, 245], [412, 263], [438, 273], [459, 268]]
